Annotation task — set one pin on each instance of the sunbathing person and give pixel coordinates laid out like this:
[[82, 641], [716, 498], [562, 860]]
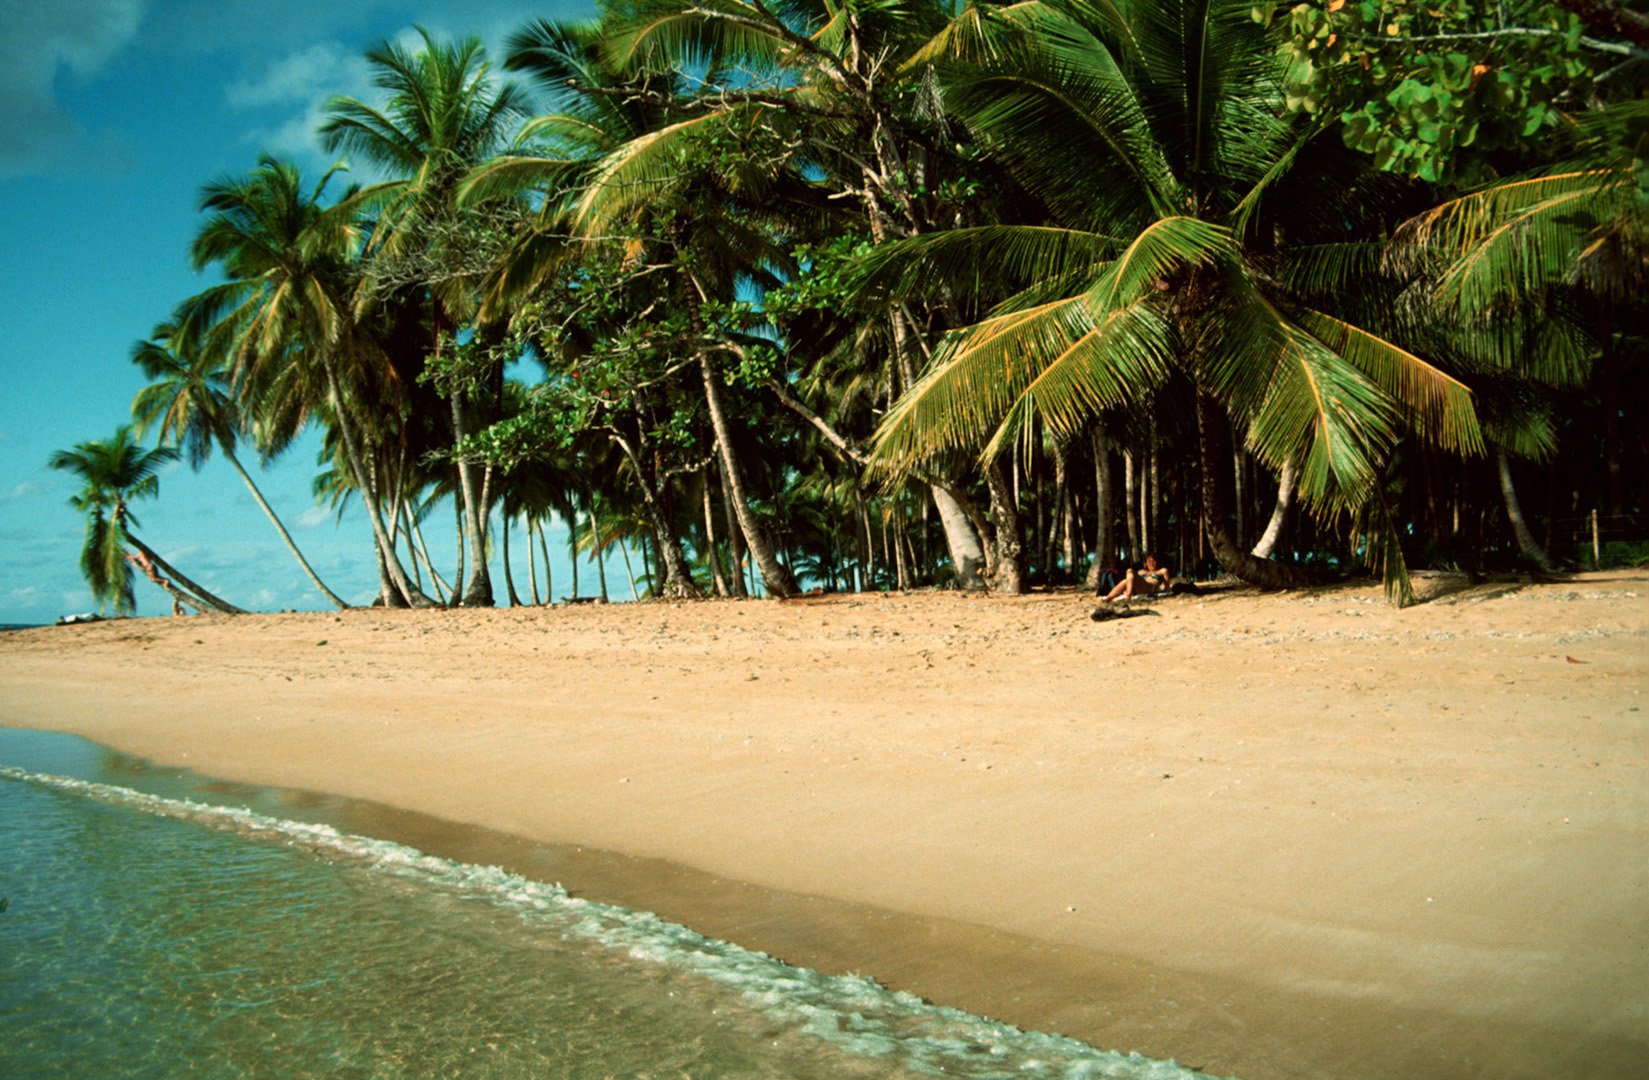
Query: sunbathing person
[[1147, 582]]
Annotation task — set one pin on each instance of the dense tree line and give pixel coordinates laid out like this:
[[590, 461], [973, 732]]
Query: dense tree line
[[871, 295]]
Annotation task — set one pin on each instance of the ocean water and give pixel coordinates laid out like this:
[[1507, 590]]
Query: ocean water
[[150, 935]]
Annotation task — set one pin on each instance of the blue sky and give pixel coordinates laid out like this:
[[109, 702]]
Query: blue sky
[[113, 114]]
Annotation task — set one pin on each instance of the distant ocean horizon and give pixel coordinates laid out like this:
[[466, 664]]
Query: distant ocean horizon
[[156, 924]]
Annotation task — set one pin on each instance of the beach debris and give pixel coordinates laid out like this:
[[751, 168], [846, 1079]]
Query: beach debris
[[1106, 614], [1572, 660]]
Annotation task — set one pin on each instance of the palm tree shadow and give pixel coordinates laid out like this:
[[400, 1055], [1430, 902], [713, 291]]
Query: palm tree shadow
[[1458, 587]]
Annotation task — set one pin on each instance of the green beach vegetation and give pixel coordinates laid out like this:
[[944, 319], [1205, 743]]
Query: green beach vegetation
[[895, 293]]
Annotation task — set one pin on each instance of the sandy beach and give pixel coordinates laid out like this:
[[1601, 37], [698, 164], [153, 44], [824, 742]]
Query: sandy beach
[[1280, 836]]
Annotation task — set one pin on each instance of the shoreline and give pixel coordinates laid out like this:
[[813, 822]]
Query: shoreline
[[1295, 835]]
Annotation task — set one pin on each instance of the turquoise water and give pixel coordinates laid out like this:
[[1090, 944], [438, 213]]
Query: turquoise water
[[150, 935]]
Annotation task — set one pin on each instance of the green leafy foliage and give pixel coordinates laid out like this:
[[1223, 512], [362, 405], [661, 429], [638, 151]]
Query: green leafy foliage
[[1432, 88]]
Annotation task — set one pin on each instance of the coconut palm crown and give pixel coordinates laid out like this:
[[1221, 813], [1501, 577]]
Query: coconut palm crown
[[113, 472], [1197, 237]]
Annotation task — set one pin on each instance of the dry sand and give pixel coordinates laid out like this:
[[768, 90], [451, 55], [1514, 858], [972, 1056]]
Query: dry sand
[[1300, 835]]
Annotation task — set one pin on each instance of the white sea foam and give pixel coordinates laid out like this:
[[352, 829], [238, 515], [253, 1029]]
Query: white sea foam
[[850, 1012]]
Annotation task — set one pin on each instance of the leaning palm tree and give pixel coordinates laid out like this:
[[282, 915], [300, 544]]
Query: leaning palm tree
[[443, 116], [284, 316], [188, 402], [114, 472], [1197, 238]]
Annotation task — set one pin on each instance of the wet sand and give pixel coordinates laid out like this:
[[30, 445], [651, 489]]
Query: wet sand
[[1296, 835]]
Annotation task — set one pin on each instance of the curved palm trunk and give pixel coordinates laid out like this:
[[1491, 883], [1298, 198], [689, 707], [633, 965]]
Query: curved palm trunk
[[180, 599], [214, 602], [285, 536], [711, 554], [1514, 511], [509, 579], [392, 565], [597, 553], [777, 579], [678, 582], [478, 590], [1279, 516], [967, 552], [1262, 572]]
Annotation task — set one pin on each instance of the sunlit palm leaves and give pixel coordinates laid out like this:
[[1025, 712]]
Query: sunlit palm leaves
[[113, 472]]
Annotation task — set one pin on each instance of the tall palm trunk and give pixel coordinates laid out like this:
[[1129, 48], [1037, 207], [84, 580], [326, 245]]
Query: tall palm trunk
[[504, 540], [775, 576], [1514, 511], [369, 494], [678, 581], [967, 553], [478, 590], [1105, 539], [1266, 574], [735, 540], [285, 536], [596, 552], [711, 555], [532, 562], [1279, 516]]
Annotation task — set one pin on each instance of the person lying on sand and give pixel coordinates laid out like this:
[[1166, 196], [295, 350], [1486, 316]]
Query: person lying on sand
[[1153, 579]]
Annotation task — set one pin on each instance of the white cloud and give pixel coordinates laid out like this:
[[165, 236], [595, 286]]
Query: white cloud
[[319, 71], [40, 40], [315, 515], [19, 491]]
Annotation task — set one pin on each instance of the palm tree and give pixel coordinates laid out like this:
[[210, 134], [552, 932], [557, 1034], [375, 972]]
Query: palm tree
[[115, 472], [1197, 244], [188, 401], [284, 316], [849, 86], [442, 117], [677, 207]]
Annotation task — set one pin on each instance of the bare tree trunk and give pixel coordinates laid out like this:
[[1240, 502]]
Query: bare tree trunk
[[369, 495], [967, 553], [678, 582], [1105, 541], [894, 525], [504, 544], [1131, 501], [597, 552], [1211, 425], [455, 594], [215, 602], [549, 572], [712, 556], [532, 561], [1514, 511], [572, 548], [286, 537], [629, 571], [477, 591], [1010, 538], [1267, 546], [735, 539], [421, 553]]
